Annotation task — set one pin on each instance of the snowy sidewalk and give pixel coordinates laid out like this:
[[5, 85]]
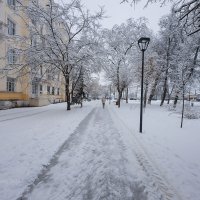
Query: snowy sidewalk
[[95, 162], [90, 165], [29, 137], [173, 151], [94, 153]]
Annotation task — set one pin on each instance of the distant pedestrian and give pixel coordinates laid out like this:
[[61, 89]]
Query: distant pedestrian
[[192, 102], [103, 100]]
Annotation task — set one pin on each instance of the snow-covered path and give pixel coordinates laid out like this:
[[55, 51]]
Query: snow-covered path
[[28, 139], [95, 163], [90, 165], [93, 153]]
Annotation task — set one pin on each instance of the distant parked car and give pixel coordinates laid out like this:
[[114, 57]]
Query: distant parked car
[[133, 99]]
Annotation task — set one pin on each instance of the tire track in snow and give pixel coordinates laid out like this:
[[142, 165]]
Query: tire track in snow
[[18, 112], [149, 166], [23, 116]]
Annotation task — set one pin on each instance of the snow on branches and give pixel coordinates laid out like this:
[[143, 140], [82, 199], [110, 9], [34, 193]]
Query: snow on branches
[[63, 39], [187, 11], [120, 49]]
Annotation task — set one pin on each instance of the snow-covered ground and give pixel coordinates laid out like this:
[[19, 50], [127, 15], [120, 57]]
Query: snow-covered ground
[[174, 150], [28, 139], [49, 153]]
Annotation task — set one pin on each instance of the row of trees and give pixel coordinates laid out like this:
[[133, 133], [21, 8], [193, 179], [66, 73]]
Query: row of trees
[[67, 35], [172, 60], [121, 51], [67, 39]]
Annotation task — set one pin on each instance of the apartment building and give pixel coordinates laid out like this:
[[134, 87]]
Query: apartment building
[[20, 86]]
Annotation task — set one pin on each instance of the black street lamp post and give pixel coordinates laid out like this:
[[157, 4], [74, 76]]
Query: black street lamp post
[[143, 43]]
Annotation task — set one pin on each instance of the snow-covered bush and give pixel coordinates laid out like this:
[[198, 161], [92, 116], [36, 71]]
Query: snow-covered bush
[[191, 113], [171, 107]]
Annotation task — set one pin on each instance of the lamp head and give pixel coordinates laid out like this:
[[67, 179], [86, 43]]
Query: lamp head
[[143, 43]]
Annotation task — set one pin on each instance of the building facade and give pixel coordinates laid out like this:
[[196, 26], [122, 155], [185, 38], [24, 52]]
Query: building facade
[[20, 86]]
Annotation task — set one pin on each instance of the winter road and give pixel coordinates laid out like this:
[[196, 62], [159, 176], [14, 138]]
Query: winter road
[[98, 162]]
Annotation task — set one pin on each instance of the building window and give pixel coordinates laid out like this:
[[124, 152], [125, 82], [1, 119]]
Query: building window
[[10, 84], [34, 88], [41, 89], [12, 56], [11, 3], [58, 91], [41, 71], [48, 74], [11, 27], [53, 91], [48, 89]]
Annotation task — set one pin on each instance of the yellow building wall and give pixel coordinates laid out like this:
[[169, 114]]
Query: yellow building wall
[[7, 42], [13, 96], [23, 84]]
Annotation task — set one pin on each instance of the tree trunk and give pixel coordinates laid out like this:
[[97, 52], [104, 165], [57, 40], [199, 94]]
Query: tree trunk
[[164, 89], [119, 98], [118, 88], [169, 99], [175, 100], [183, 106], [67, 93], [166, 74], [127, 95], [153, 90]]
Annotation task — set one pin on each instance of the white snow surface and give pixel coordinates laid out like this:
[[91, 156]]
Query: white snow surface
[[28, 139], [175, 151], [92, 153]]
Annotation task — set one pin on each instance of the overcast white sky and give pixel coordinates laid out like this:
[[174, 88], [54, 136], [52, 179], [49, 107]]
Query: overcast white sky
[[118, 13]]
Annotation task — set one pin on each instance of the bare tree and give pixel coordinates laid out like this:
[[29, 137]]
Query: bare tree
[[62, 39], [120, 47]]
